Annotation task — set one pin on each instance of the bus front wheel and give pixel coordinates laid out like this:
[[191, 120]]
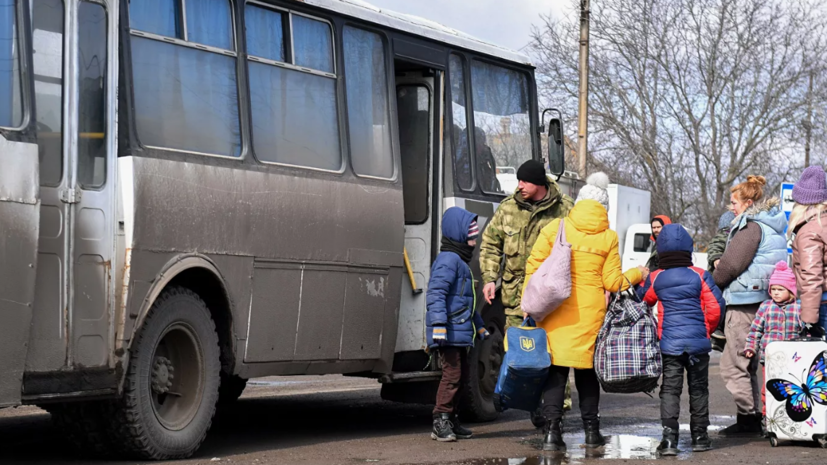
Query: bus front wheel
[[171, 386]]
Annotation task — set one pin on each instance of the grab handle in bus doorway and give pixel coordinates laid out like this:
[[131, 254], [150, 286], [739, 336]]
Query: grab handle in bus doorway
[[416, 290]]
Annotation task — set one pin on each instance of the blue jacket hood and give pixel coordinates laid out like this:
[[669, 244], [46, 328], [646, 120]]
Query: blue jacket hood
[[725, 221], [674, 238], [455, 223], [775, 218]]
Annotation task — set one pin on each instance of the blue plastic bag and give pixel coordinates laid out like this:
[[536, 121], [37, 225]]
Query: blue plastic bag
[[524, 370]]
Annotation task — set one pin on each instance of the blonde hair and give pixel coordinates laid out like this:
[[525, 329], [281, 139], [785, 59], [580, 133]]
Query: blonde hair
[[800, 212], [751, 189]]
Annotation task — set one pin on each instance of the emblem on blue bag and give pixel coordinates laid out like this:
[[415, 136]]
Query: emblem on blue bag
[[526, 343]]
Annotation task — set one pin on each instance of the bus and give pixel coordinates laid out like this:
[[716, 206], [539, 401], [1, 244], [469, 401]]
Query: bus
[[194, 193]]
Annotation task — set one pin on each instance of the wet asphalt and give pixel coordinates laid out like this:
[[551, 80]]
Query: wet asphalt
[[331, 420]]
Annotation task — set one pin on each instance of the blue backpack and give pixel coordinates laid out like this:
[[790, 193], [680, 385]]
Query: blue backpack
[[525, 368]]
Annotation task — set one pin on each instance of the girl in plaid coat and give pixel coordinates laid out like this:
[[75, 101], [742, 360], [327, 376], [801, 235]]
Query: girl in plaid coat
[[777, 319]]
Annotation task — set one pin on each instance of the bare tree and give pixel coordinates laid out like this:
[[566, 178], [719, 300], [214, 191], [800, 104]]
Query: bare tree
[[689, 97]]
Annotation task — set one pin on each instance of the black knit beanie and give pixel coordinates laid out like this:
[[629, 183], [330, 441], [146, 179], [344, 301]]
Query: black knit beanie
[[532, 171]]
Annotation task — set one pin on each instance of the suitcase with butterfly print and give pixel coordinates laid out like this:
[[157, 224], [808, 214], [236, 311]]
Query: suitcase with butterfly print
[[795, 377]]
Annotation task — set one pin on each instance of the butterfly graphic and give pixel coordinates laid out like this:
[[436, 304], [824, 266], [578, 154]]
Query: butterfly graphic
[[796, 357], [811, 422], [801, 397]]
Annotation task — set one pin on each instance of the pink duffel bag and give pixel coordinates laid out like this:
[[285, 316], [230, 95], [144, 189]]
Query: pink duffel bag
[[551, 284]]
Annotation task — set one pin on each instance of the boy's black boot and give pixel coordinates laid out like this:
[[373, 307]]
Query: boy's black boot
[[553, 436], [593, 436], [718, 340], [443, 429], [700, 440], [459, 431], [744, 424], [669, 444]]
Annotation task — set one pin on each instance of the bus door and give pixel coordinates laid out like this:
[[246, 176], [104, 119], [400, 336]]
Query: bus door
[[19, 203], [416, 95], [73, 80]]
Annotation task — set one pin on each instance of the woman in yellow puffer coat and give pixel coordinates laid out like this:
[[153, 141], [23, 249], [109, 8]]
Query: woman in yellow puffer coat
[[572, 328]]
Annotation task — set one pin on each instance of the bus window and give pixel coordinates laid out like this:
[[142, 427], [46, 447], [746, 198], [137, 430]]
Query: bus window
[[367, 103], [186, 95], [11, 103], [459, 132], [265, 33], [293, 109], [312, 44], [210, 22], [47, 45], [92, 95], [162, 17], [502, 131]]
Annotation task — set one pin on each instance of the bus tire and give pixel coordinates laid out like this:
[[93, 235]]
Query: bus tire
[[171, 386], [83, 425], [484, 360], [232, 386]]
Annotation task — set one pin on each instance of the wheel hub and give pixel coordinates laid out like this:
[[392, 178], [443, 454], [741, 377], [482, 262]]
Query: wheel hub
[[162, 375]]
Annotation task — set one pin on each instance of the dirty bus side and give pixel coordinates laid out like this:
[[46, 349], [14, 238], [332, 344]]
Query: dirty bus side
[[227, 190]]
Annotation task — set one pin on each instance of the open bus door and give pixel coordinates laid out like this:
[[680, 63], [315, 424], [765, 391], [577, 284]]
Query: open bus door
[[19, 199]]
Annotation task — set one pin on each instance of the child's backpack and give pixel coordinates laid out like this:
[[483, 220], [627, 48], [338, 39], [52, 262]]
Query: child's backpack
[[627, 355], [525, 368]]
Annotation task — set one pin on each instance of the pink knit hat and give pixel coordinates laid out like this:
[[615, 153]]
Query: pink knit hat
[[783, 276]]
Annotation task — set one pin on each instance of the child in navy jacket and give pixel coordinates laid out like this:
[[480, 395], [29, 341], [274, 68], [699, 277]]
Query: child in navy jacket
[[452, 320], [690, 306]]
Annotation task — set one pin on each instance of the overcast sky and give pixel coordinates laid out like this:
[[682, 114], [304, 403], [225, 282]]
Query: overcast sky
[[505, 23]]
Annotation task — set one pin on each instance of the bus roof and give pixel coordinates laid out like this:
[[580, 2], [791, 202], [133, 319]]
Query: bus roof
[[417, 26]]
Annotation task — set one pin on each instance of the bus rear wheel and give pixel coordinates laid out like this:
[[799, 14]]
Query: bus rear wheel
[[172, 381]]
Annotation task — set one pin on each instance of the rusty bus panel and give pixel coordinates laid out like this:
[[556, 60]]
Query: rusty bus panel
[[19, 231]]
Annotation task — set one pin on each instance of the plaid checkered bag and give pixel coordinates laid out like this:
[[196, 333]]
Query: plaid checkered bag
[[627, 354]]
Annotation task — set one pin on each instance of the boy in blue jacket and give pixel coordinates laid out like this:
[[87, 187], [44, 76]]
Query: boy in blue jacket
[[689, 305], [452, 320]]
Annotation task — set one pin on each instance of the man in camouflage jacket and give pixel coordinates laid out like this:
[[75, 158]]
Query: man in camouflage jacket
[[718, 243], [512, 231]]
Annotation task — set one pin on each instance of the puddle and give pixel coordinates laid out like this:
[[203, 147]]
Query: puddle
[[618, 446], [628, 442]]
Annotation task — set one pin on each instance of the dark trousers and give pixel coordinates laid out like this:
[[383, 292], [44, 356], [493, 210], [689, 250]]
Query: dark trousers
[[554, 393], [697, 373], [454, 371]]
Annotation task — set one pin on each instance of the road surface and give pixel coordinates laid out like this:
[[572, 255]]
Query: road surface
[[331, 420]]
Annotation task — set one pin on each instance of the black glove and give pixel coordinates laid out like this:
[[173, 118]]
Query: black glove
[[812, 330]]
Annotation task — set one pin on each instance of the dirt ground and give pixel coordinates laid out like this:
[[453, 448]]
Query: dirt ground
[[334, 420]]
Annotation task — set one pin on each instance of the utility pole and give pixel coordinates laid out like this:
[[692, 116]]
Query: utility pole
[[808, 125], [583, 116]]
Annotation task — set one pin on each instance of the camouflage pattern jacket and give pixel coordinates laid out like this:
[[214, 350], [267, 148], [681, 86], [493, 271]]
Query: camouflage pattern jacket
[[716, 247], [511, 233]]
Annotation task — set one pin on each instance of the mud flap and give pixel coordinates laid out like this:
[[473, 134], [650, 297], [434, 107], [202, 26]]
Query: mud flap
[[19, 231]]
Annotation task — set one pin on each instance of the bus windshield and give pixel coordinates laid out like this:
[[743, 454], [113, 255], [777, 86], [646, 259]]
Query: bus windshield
[[502, 133], [11, 105]]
